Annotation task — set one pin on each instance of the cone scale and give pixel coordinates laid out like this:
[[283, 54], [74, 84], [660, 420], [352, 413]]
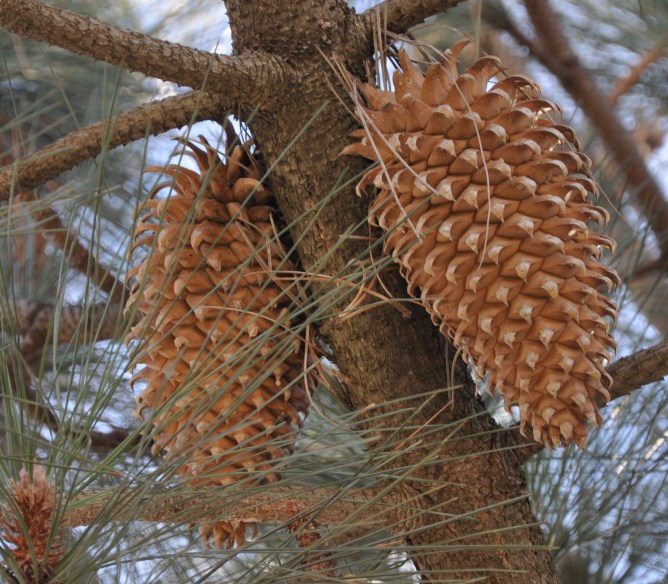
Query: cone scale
[[486, 205], [223, 371]]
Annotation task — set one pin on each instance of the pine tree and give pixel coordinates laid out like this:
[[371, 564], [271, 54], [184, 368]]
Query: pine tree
[[409, 463]]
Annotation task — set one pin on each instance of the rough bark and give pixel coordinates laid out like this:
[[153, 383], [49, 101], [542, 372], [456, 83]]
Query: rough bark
[[277, 505], [459, 462], [632, 372], [247, 80], [384, 355]]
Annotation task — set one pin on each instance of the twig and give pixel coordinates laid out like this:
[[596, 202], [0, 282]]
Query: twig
[[79, 146], [554, 52], [22, 389], [624, 85], [105, 441], [33, 322], [79, 257], [38, 409], [400, 15], [653, 265], [51, 227], [246, 80]]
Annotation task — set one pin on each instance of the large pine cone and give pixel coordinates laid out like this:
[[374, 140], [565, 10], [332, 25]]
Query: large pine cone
[[485, 201], [224, 371]]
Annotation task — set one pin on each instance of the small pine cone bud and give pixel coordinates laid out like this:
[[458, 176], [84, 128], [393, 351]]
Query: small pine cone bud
[[486, 205], [27, 526], [224, 373]]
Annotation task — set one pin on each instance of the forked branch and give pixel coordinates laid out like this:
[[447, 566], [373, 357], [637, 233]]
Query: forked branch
[[246, 81], [79, 146]]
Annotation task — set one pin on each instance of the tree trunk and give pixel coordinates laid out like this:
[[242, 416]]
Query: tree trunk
[[385, 354]]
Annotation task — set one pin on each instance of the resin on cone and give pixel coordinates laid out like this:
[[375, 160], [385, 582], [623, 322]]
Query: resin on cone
[[223, 369], [486, 204]]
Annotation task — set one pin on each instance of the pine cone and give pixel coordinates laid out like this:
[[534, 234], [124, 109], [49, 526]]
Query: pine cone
[[485, 201], [27, 526], [224, 372]]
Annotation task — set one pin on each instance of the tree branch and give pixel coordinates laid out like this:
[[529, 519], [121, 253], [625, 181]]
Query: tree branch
[[626, 83], [277, 505], [641, 368], [400, 15], [281, 504], [79, 257], [247, 80], [34, 323], [553, 50], [79, 146]]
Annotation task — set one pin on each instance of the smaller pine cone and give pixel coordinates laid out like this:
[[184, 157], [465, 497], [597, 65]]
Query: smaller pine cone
[[224, 372], [485, 201], [27, 526]]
